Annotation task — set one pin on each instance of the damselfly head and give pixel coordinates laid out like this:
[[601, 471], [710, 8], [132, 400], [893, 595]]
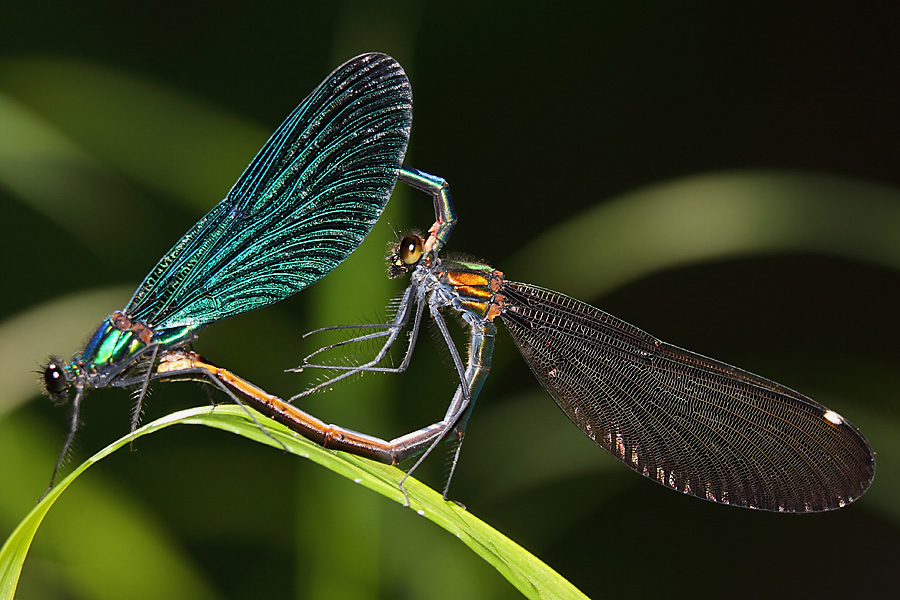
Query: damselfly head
[[405, 255], [56, 380]]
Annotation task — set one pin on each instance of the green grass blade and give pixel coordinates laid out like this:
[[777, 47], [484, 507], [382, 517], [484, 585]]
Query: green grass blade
[[527, 573]]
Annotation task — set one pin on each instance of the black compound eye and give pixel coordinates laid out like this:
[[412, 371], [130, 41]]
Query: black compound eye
[[410, 249], [55, 378]]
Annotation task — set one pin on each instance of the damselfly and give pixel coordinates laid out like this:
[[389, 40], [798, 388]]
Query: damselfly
[[305, 202]]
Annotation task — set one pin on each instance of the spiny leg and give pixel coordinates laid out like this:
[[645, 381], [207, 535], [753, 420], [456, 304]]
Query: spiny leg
[[139, 402], [73, 429], [354, 340], [448, 339], [370, 366], [399, 321]]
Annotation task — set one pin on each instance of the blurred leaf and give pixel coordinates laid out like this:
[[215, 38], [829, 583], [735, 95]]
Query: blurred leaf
[[562, 453], [166, 140], [52, 174], [531, 576], [713, 216]]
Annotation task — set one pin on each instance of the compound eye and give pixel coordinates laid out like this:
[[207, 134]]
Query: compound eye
[[410, 249], [55, 378]]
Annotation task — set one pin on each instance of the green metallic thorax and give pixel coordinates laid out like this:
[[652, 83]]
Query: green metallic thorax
[[473, 284], [112, 349]]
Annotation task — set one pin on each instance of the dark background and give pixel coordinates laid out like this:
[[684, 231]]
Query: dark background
[[536, 113]]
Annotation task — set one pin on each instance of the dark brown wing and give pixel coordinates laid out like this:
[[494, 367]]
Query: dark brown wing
[[686, 421]]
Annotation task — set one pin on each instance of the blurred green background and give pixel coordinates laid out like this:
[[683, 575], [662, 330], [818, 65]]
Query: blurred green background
[[726, 179]]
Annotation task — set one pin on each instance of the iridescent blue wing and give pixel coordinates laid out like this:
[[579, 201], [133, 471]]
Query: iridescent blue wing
[[307, 200]]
